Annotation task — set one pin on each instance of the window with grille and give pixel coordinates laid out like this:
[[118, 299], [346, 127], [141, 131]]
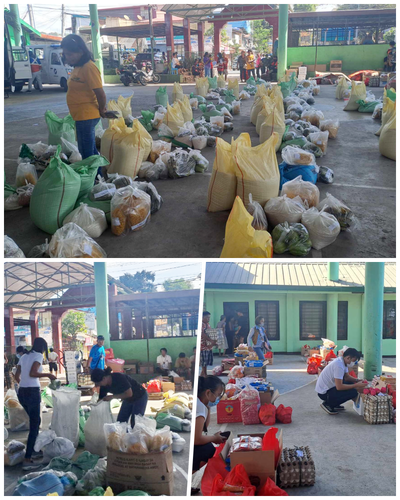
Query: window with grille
[[342, 320], [269, 310], [389, 319], [312, 320]]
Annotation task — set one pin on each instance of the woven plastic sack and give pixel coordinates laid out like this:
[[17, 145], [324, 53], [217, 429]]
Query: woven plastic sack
[[259, 219], [71, 241], [257, 171], [220, 82], [53, 446], [65, 418], [55, 195], [284, 209], [367, 107], [162, 96], [87, 170], [91, 220], [241, 239], [267, 414], [186, 109], [358, 92], [130, 210], [233, 85], [95, 438], [341, 87], [222, 185], [262, 115], [59, 127], [202, 86], [177, 92], [387, 139], [125, 147], [389, 107], [273, 123], [258, 105], [123, 105], [323, 228], [307, 191], [26, 174], [212, 83], [174, 119]]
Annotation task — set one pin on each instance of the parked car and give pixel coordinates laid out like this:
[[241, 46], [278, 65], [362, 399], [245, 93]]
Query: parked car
[[54, 70]]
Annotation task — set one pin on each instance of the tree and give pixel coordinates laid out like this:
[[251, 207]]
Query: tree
[[305, 7], [390, 35], [366, 6], [236, 47], [224, 35], [142, 281], [261, 34], [178, 284], [72, 324]]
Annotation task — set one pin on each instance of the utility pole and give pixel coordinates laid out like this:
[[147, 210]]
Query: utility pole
[[31, 18], [151, 36], [16, 24], [62, 20], [96, 43]]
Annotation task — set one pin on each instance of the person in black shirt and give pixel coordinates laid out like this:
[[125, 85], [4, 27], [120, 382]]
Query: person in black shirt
[[133, 395]]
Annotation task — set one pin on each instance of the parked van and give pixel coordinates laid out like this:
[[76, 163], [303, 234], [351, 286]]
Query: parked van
[[22, 67], [54, 71]]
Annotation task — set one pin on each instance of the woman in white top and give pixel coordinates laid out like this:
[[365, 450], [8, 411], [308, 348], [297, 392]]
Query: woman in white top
[[209, 392], [29, 371]]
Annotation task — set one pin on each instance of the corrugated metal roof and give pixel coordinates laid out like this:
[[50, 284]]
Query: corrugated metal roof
[[290, 275]]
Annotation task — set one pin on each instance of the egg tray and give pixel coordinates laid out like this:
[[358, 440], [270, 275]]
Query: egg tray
[[378, 409], [296, 468]]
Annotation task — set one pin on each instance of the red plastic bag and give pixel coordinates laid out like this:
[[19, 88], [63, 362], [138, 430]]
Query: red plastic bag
[[312, 368], [353, 374], [269, 355], [267, 414], [215, 467], [236, 483], [284, 414], [154, 386], [270, 489], [316, 358], [330, 355], [270, 442]]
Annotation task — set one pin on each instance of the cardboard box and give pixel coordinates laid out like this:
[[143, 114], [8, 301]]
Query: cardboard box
[[146, 368], [305, 351], [266, 397], [168, 386], [321, 68], [254, 371], [152, 472], [270, 360], [259, 464], [131, 369], [228, 412], [292, 70], [177, 380], [314, 351]]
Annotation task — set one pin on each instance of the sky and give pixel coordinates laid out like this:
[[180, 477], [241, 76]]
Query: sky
[[48, 16]]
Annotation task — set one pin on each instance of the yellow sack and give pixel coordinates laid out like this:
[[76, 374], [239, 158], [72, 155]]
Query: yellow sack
[[261, 91], [387, 140], [341, 87], [186, 109], [388, 109], [126, 147], [234, 85], [262, 115], [122, 106], [358, 91], [222, 185], [278, 100], [257, 171], [241, 239], [277, 92], [202, 86], [177, 92], [258, 105], [273, 123], [174, 118], [221, 82]]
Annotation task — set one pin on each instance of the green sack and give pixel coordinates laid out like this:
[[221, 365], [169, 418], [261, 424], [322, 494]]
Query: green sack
[[173, 422], [133, 493], [97, 492], [162, 97], [227, 106], [251, 81], [147, 125], [60, 127], [82, 423], [86, 461], [250, 90], [26, 152], [260, 81], [292, 82], [55, 195], [208, 114], [148, 116], [46, 398], [391, 94], [200, 99], [101, 205], [203, 107], [301, 141], [367, 107], [285, 88], [212, 82], [87, 170]]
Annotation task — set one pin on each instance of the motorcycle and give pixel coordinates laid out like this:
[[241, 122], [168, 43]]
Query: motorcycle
[[131, 74], [147, 75]]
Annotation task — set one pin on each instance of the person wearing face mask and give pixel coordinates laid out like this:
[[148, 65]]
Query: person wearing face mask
[[209, 392], [257, 338], [335, 386]]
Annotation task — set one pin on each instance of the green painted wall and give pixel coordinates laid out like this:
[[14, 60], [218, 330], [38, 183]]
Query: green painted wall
[[354, 57], [137, 349], [289, 315]]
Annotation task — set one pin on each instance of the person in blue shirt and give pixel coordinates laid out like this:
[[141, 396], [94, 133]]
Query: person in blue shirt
[[36, 68], [257, 338], [97, 355]]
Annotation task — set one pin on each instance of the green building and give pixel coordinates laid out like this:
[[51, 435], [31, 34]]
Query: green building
[[299, 302]]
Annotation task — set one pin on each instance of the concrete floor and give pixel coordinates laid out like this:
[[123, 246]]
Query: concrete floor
[[364, 180], [346, 450], [181, 460]]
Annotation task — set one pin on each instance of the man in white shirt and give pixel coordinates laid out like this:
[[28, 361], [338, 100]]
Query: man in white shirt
[[164, 362], [335, 386], [53, 359]]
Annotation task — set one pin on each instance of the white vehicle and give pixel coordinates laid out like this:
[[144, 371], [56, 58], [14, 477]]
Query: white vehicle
[[22, 67], [54, 71]]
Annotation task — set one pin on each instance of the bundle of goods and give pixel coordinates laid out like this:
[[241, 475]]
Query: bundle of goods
[[71, 241], [296, 467], [11, 249], [14, 453], [314, 362], [249, 403], [154, 386], [246, 443], [292, 238], [378, 409], [130, 210], [236, 372], [217, 334], [18, 418]]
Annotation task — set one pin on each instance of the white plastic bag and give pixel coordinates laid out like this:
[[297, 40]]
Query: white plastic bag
[[71, 241], [199, 141], [339, 210], [130, 210], [93, 478], [95, 438], [54, 446], [65, 418], [24, 194], [14, 453], [307, 191], [320, 139], [217, 120], [322, 227], [26, 173], [90, 219], [102, 191], [158, 119], [194, 103], [260, 222], [244, 95], [313, 116], [332, 126], [71, 150], [11, 249], [153, 171], [284, 209], [235, 107], [11, 202], [297, 156]]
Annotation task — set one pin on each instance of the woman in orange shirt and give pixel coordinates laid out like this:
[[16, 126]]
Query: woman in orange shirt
[[86, 98]]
